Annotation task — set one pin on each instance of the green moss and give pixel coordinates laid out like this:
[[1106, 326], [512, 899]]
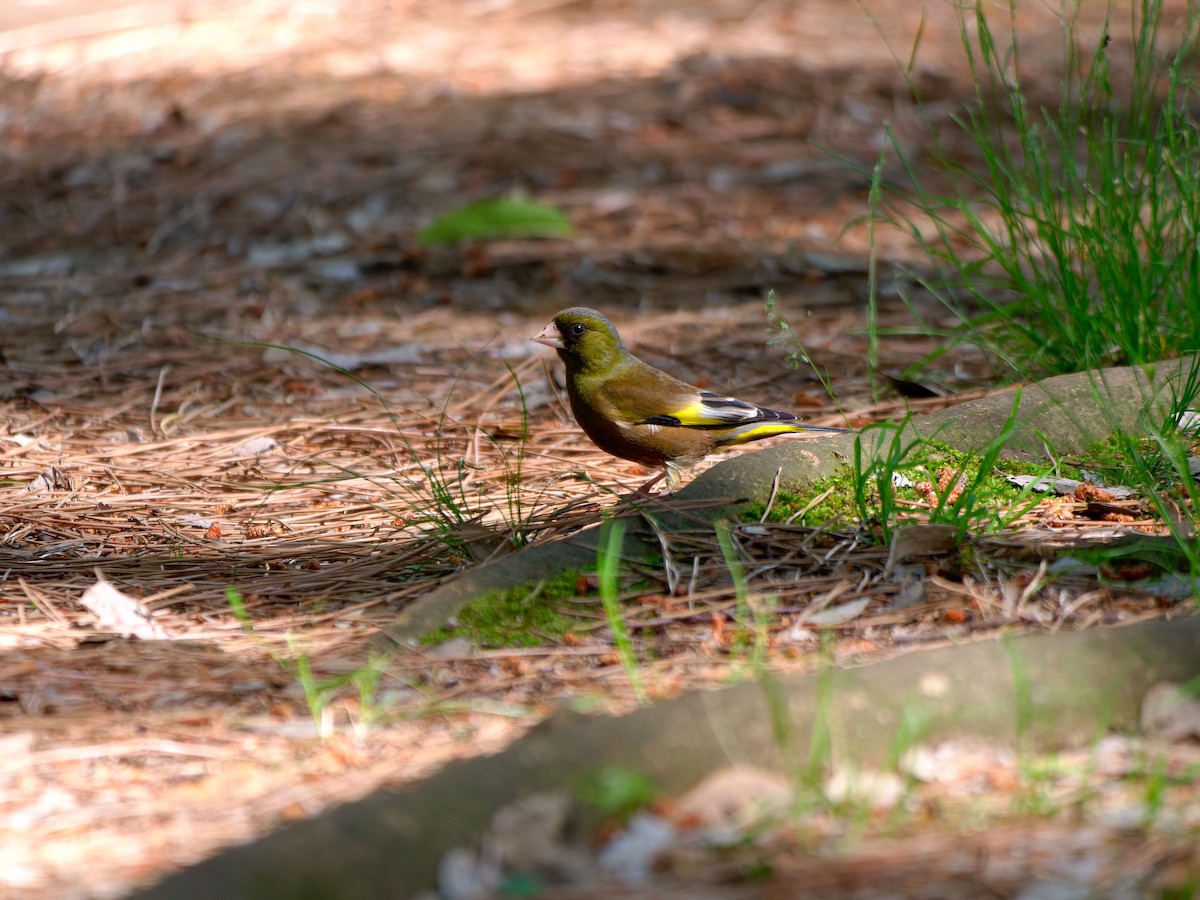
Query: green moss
[[838, 505], [528, 615], [993, 489], [1110, 460]]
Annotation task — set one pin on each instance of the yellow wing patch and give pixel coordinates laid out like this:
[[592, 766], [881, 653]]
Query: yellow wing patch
[[710, 410]]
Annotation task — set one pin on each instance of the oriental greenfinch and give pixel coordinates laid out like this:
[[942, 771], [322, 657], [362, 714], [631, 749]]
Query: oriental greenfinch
[[637, 412]]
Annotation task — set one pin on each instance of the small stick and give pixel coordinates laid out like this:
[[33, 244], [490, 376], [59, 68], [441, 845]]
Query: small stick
[[162, 376]]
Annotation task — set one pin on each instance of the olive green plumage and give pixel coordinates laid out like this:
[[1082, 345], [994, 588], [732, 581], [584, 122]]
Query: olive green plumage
[[637, 412]]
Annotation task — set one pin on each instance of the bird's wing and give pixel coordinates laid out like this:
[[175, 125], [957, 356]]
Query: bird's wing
[[705, 409], [644, 395]]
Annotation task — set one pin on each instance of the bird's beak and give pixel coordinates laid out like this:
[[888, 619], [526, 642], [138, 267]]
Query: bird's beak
[[550, 337]]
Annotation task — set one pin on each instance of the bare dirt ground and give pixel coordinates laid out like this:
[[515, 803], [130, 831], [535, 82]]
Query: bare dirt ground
[[183, 195]]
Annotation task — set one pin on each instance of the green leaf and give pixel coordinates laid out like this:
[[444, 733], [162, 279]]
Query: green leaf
[[617, 791], [494, 219]]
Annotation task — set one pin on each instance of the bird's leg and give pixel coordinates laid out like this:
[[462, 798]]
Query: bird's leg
[[671, 471], [645, 488]]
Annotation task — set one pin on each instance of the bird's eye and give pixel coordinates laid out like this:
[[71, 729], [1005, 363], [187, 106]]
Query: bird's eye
[[578, 328]]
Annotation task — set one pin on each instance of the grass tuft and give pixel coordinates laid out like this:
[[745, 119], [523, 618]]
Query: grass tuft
[[1072, 244]]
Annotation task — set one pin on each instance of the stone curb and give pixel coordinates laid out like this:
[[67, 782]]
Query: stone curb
[[1065, 414]]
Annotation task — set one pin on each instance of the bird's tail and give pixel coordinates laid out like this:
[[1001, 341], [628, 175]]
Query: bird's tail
[[828, 428]]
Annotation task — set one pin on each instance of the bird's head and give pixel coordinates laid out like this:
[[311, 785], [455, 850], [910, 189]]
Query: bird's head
[[584, 338]]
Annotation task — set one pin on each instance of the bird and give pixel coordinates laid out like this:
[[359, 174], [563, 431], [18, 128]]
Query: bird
[[637, 412]]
